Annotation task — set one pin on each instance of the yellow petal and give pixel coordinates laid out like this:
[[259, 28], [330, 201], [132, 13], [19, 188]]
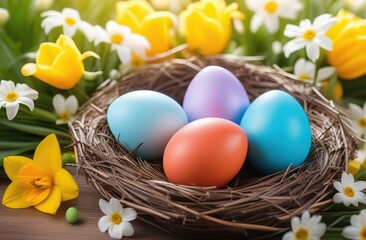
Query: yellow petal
[[213, 8], [47, 53], [204, 34], [139, 9], [66, 43], [354, 167], [155, 28], [67, 185], [51, 203], [29, 69], [53, 77], [13, 164], [47, 155], [13, 196], [35, 196], [30, 172], [89, 54]]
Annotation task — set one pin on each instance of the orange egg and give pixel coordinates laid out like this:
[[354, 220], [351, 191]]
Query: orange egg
[[205, 152]]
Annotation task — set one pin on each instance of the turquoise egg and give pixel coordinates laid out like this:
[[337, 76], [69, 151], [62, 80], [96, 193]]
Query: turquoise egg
[[143, 121], [278, 131]]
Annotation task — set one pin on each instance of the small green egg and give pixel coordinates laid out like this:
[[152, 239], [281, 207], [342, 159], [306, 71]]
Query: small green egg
[[67, 158], [72, 215]]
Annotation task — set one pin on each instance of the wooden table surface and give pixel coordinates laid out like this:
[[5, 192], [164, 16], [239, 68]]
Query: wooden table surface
[[29, 224]]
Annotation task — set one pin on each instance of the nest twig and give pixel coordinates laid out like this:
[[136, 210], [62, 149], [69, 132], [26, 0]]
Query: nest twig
[[251, 204]]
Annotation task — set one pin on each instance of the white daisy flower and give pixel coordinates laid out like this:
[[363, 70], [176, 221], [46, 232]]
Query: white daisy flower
[[357, 230], [116, 219], [358, 117], [122, 40], [12, 95], [269, 12], [306, 228], [65, 108], [349, 192], [305, 70], [4, 16], [277, 47], [70, 20], [309, 35]]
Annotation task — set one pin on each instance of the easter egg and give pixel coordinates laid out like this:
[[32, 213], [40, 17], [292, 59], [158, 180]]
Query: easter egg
[[278, 132], [72, 215], [215, 92], [205, 152], [143, 121]]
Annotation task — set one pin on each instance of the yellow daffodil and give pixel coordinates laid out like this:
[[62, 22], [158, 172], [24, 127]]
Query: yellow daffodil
[[206, 25], [143, 20], [41, 182], [349, 42], [59, 64]]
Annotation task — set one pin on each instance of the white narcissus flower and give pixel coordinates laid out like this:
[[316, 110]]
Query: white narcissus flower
[[358, 117], [305, 70], [116, 219], [309, 35], [349, 191], [122, 40], [306, 228], [12, 95], [70, 20], [269, 12], [357, 230], [4, 16], [65, 108]]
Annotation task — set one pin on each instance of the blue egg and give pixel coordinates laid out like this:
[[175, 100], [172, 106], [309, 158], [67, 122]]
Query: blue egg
[[145, 121], [278, 131]]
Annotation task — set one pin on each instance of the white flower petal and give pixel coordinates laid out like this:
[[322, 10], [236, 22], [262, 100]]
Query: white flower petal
[[364, 109], [351, 232], [87, 29], [314, 221], [255, 6], [256, 21], [100, 35], [285, 6], [71, 13], [104, 207], [305, 217], [59, 105], [71, 105], [137, 43], [312, 51], [289, 236], [129, 214], [324, 26], [325, 72], [349, 180], [114, 27], [70, 30], [338, 198], [61, 121], [355, 111], [12, 109], [127, 229], [295, 223], [324, 42], [360, 185], [305, 24], [124, 54], [52, 13], [356, 220], [361, 198], [115, 206], [27, 102], [293, 46], [299, 66], [321, 19], [318, 230], [50, 23], [292, 31], [272, 23], [115, 231], [104, 223], [337, 185]]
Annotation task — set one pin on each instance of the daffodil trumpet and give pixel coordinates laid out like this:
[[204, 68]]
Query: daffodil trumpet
[[59, 64]]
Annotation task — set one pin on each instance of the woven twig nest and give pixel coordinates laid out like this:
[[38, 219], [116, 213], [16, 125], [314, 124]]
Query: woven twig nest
[[251, 204]]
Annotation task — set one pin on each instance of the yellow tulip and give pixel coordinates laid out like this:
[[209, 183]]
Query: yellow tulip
[[59, 64], [349, 42], [206, 25], [42, 182], [142, 19]]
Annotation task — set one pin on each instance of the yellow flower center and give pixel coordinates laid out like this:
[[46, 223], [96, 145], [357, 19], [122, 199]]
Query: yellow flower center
[[363, 233], [348, 191], [271, 7], [116, 38], [302, 234], [65, 116], [70, 21], [42, 182], [116, 218], [362, 122], [309, 34], [304, 76], [11, 96]]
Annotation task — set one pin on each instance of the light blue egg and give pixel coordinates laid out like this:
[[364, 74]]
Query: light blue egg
[[278, 132], [145, 118]]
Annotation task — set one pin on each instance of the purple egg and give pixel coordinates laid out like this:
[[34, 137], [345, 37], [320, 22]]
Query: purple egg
[[215, 92]]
